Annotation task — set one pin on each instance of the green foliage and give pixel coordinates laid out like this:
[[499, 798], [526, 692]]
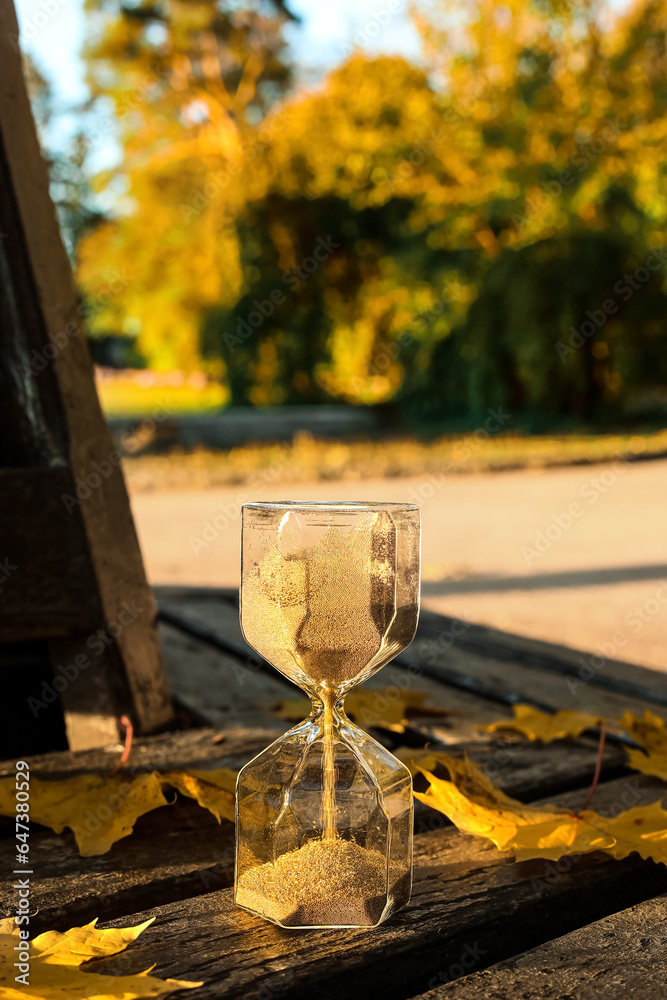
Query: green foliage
[[546, 336], [478, 211]]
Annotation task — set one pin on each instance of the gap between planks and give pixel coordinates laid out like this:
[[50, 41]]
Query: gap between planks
[[621, 957], [466, 677]]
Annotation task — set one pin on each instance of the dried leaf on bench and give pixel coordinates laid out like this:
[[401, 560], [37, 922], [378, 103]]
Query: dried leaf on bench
[[214, 790], [475, 806], [544, 726], [651, 734], [99, 808], [57, 971]]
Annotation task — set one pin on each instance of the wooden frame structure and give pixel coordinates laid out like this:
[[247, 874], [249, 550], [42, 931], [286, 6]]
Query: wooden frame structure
[[71, 572]]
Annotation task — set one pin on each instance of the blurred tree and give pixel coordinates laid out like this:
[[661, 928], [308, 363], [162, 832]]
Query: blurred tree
[[339, 176], [70, 186], [476, 210], [186, 86]]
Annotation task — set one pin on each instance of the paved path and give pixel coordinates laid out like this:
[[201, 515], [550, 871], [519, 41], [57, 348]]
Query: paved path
[[575, 555]]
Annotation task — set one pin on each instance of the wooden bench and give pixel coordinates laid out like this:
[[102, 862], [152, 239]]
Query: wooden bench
[[479, 925]]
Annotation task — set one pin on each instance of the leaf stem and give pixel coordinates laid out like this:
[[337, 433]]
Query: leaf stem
[[598, 768], [125, 723]]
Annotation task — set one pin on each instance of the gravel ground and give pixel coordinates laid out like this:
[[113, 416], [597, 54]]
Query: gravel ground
[[573, 555]]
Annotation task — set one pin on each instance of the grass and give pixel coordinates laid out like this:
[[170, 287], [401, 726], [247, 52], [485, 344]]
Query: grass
[[306, 459], [145, 393]]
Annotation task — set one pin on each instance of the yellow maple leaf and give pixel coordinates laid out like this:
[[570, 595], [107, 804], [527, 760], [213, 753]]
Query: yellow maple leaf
[[55, 960], [642, 829], [101, 809], [476, 807], [545, 726], [651, 734], [214, 790], [368, 707]]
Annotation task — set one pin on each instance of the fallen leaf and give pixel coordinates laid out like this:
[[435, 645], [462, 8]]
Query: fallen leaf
[[214, 790], [544, 726], [379, 708], [651, 734], [56, 960], [642, 829], [476, 807], [101, 809]]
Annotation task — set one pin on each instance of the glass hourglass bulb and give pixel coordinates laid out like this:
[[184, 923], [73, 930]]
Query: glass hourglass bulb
[[329, 594]]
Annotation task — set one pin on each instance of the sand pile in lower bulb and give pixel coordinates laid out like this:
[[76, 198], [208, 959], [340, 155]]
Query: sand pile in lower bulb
[[323, 882]]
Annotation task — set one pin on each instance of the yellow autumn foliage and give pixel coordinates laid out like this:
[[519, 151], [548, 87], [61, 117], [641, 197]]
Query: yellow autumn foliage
[[547, 726], [101, 809], [651, 734], [476, 807], [57, 969], [522, 127]]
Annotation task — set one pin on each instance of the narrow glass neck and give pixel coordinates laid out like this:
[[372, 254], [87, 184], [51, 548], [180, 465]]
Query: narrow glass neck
[[327, 707]]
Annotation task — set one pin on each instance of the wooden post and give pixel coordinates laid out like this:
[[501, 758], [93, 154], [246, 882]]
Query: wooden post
[[72, 572]]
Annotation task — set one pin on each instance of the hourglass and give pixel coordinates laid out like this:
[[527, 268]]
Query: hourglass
[[329, 594]]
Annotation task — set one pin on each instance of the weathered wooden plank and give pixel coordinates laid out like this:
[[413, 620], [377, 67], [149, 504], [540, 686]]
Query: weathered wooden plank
[[467, 899], [441, 634], [596, 668], [194, 856], [518, 683], [622, 957], [56, 579], [176, 852], [204, 747], [480, 687], [215, 620], [220, 688], [55, 369]]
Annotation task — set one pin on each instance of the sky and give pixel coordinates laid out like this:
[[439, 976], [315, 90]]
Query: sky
[[52, 33]]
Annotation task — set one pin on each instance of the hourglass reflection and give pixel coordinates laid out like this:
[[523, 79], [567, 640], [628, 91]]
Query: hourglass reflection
[[329, 594]]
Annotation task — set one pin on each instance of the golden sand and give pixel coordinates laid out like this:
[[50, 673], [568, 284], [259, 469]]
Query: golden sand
[[323, 882], [324, 609]]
